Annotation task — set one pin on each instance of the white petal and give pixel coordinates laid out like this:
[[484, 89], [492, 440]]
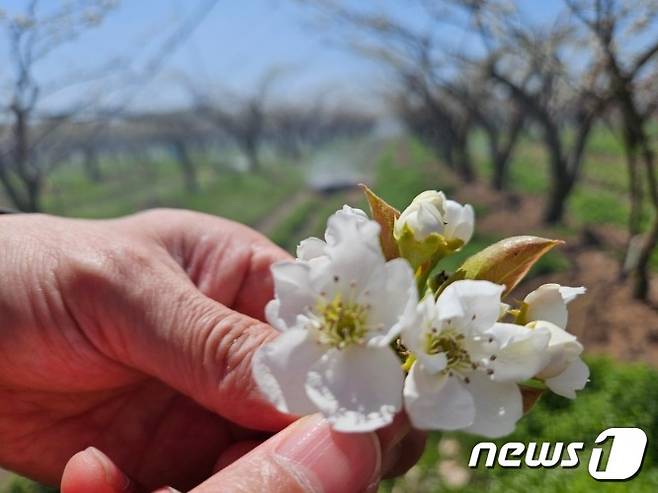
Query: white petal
[[434, 197], [573, 378], [465, 230], [437, 402], [311, 248], [272, 315], [569, 294], [498, 406], [347, 220], [393, 302], [432, 363], [293, 290], [358, 388], [280, 369], [428, 220], [521, 352], [355, 253], [473, 306], [413, 335], [563, 348], [460, 221], [549, 302]]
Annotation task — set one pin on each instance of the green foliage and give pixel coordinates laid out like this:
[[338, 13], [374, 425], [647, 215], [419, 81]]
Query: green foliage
[[22, 485]]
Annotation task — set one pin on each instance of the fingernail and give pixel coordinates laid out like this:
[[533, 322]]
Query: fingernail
[[328, 461], [113, 476]]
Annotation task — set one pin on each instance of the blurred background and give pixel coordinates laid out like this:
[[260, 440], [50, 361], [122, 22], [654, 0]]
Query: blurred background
[[269, 112]]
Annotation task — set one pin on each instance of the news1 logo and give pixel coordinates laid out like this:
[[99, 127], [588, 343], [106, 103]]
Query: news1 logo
[[624, 459]]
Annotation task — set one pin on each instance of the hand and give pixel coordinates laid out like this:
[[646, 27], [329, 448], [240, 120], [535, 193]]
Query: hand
[[135, 336], [306, 457]]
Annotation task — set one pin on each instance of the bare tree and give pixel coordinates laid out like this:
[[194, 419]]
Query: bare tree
[[444, 94], [496, 112], [617, 26], [562, 97], [32, 37], [242, 119], [298, 128]]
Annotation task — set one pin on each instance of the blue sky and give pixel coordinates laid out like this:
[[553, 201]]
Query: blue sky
[[238, 42]]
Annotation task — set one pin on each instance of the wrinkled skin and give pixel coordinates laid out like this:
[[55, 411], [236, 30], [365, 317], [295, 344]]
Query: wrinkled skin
[[135, 336]]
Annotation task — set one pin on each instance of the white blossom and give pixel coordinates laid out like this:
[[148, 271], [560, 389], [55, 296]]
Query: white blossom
[[338, 308], [468, 364], [546, 308], [424, 216], [430, 212]]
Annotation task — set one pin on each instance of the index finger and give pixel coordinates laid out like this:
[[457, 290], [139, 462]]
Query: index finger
[[227, 261]]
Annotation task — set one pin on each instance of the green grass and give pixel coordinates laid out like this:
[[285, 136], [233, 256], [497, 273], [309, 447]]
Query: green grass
[[128, 187]]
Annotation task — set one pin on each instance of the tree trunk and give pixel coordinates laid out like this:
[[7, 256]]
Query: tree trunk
[[557, 201], [642, 271], [91, 165], [499, 177], [187, 166], [502, 155], [34, 196], [464, 165], [251, 153]]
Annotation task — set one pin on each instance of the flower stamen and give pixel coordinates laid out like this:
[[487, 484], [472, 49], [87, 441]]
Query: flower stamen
[[342, 323]]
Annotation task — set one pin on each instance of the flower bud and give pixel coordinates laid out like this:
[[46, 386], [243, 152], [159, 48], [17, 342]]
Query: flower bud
[[424, 216]]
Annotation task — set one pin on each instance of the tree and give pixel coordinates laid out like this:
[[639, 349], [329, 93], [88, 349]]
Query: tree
[[618, 28], [444, 92], [32, 37], [178, 132], [563, 98], [242, 119]]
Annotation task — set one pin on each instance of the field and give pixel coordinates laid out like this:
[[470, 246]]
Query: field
[[278, 202]]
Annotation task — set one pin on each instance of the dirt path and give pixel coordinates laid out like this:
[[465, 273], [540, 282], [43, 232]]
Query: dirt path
[[267, 224]]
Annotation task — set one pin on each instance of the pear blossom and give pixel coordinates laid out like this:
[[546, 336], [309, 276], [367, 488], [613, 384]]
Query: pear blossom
[[467, 364], [546, 308], [430, 212], [338, 308]]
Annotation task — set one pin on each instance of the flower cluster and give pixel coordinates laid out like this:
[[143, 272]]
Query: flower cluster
[[370, 325]]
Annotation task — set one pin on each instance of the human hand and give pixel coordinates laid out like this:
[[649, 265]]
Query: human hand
[[135, 336], [306, 457]]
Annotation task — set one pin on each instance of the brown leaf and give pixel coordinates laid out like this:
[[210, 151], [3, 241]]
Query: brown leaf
[[507, 261], [385, 215], [530, 397]]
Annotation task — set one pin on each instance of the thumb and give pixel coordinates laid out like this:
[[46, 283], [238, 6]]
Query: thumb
[[306, 457], [91, 470]]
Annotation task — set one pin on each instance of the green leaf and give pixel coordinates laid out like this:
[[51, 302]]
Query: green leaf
[[385, 215], [507, 261]]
